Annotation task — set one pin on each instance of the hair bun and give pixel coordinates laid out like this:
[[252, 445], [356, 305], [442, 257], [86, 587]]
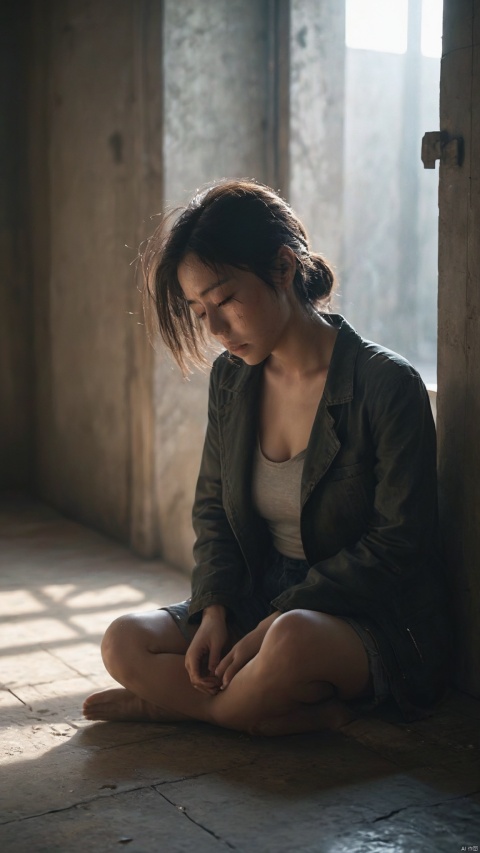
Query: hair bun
[[320, 278]]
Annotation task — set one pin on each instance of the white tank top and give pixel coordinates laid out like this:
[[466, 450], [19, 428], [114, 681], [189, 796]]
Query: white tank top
[[276, 497]]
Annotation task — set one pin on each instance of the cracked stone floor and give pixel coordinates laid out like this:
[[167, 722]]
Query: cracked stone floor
[[66, 785]]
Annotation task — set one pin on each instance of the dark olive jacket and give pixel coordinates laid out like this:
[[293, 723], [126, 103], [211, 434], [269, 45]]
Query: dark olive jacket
[[368, 509]]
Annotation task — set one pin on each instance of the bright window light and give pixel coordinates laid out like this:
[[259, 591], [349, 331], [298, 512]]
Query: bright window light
[[377, 25], [432, 13]]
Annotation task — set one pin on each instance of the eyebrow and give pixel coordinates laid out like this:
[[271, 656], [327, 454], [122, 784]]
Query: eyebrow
[[208, 289]]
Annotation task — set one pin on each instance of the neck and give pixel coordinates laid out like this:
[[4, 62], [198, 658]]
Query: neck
[[305, 349]]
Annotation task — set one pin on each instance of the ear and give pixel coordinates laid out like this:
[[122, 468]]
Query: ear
[[287, 266]]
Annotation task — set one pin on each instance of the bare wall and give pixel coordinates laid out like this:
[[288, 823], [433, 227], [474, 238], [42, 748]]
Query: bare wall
[[215, 65], [16, 352], [84, 209]]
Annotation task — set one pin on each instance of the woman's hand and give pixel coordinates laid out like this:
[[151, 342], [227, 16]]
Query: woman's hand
[[243, 651], [206, 649]]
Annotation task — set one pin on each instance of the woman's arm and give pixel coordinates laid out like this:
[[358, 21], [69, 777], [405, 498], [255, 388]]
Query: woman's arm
[[220, 572]]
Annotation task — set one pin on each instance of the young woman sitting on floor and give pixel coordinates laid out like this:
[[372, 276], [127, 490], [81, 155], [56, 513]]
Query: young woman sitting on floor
[[318, 587]]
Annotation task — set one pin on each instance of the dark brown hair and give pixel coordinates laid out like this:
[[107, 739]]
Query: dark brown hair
[[238, 223]]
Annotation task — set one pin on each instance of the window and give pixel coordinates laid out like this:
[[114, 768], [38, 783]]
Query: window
[[389, 274], [377, 25]]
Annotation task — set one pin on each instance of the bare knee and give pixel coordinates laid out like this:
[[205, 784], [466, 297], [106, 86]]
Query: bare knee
[[131, 640], [118, 643], [289, 640], [297, 654], [276, 670], [318, 647]]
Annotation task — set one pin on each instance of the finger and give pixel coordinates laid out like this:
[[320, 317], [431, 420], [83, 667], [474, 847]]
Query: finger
[[215, 654], [190, 665], [208, 680], [193, 663], [224, 663], [228, 675], [207, 685], [208, 691], [235, 666], [213, 659]]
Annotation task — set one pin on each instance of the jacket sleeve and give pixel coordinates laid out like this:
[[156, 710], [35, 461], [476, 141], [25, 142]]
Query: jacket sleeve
[[401, 538], [220, 570]]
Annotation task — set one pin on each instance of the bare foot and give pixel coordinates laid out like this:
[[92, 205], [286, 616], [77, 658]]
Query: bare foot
[[119, 704], [331, 715]]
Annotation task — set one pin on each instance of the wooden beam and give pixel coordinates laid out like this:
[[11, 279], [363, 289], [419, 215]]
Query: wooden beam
[[459, 332]]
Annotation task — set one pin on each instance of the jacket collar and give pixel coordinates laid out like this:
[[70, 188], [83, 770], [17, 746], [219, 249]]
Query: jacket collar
[[239, 376], [339, 385]]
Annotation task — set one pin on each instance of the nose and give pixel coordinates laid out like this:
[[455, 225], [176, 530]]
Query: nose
[[217, 325]]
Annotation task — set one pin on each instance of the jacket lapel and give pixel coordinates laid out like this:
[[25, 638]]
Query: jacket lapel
[[324, 444], [322, 448]]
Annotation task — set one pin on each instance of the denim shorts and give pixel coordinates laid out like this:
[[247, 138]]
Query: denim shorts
[[380, 683], [281, 573]]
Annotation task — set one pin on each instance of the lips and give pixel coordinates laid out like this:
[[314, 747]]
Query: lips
[[236, 348]]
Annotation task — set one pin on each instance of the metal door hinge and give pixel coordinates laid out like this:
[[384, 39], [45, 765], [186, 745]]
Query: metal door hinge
[[439, 145]]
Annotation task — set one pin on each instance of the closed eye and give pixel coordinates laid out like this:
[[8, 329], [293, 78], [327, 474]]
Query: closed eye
[[217, 305], [223, 302]]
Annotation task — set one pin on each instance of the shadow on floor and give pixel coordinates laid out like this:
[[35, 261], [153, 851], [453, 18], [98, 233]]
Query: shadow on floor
[[67, 785]]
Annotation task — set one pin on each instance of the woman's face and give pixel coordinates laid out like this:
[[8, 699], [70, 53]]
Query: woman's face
[[245, 315]]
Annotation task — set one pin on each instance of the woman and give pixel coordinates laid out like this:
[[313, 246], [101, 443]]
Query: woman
[[318, 585]]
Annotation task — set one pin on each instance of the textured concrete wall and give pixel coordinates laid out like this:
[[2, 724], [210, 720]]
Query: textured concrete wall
[[134, 105], [317, 78], [215, 125], [459, 329], [215, 67], [83, 203], [16, 430]]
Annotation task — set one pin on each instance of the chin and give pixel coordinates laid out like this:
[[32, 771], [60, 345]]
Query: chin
[[253, 358], [252, 355]]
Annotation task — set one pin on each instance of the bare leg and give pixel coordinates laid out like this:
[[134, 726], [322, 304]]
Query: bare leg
[[283, 689], [306, 659], [330, 714], [138, 650]]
